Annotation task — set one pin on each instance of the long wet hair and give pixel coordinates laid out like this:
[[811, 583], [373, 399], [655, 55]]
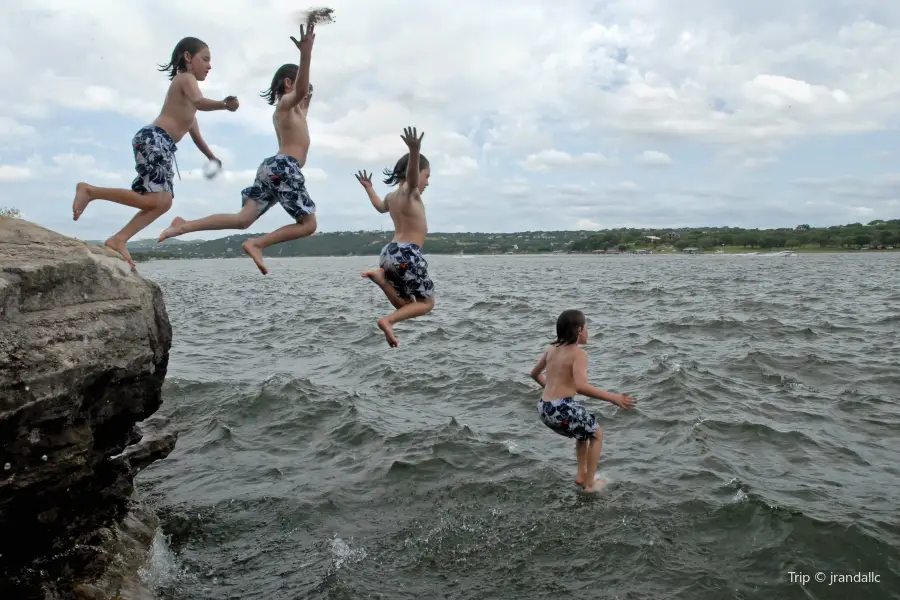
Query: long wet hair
[[177, 64], [567, 327], [276, 90], [398, 174]]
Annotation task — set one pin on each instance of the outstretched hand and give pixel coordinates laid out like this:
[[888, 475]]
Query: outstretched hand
[[307, 38], [231, 103], [364, 178], [409, 137], [625, 401]]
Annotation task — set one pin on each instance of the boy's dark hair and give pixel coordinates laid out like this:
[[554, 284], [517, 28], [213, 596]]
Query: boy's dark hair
[[399, 173], [276, 90], [192, 46], [567, 326]]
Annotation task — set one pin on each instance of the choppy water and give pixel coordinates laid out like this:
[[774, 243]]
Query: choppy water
[[314, 462]]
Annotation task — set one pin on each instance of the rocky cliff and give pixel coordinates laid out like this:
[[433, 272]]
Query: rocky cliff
[[84, 347]]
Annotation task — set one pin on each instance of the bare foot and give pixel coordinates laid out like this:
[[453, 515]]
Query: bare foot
[[119, 246], [598, 485], [581, 477], [82, 198], [377, 276], [388, 329], [255, 253], [173, 230]]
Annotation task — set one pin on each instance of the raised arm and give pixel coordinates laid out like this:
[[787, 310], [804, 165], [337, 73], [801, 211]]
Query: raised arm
[[200, 142], [415, 145], [579, 367], [301, 85], [537, 373], [304, 103], [365, 180], [192, 91]]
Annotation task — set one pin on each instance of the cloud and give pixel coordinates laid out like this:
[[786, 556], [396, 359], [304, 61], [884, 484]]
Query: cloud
[[533, 117], [885, 186], [15, 173], [11, 128], [546, 160], [654, 158]]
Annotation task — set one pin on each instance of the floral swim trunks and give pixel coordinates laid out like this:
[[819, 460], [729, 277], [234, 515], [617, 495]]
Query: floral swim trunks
[[154, 156], [406, 270], [280, 180], [568, 418]]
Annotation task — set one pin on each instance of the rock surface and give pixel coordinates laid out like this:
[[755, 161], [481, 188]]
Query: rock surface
[[84, 348]]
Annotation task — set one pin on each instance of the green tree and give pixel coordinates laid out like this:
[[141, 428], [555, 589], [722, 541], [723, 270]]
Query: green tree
[[10, 212], [862, 239], [706, 242], [748, 239]]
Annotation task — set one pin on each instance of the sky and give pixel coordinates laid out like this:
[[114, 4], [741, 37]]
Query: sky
[[624, 113]]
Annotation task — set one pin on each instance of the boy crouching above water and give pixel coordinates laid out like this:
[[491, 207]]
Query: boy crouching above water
[[402, 272], [566, 366]]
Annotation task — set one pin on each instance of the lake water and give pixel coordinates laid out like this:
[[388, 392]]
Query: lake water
[[315, 462]]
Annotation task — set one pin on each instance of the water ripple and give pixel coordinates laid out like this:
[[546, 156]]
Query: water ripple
[[314, 462]]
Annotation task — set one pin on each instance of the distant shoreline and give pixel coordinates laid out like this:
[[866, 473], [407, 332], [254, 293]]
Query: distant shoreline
[[803, 239], [155, 256]]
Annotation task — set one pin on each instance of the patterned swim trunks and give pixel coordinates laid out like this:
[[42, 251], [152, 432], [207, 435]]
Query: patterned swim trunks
[[279, 179], [567, 417], [406, 270], [154, 154]]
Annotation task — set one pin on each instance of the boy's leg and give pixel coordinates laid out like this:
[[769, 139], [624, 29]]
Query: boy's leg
[[295, 200], [241, 220], [593, 458], [410, 310], [162, 202], [154, 157], [85, 193], [305, 225], [377, 276], [581, 454]]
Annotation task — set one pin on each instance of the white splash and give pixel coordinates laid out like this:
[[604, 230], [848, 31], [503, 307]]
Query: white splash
[[342, 553], [162, 568]]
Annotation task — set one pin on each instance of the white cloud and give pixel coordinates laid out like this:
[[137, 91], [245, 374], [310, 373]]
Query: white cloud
[[11, 128], [587, 224], [15, 173], [885, 186], [654, 158], [624, 187], [545, 160]]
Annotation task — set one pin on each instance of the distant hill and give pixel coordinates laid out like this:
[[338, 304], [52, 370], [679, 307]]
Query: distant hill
[[878, 234], [141, 244]]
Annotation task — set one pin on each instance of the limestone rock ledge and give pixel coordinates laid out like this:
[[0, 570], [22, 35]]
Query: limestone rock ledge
[[84, 348]]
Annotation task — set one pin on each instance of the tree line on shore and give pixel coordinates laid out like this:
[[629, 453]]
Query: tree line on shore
[[874, 234]]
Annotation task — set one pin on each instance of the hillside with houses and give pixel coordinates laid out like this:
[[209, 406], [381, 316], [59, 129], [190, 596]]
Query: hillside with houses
[[876, 235]]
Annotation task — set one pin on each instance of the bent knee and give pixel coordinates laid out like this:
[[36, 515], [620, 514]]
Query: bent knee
[[163, 202], [309, 221], [429, 302], [246, 220]]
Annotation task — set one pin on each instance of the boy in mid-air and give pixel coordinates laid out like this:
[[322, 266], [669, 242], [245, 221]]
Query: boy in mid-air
[[566, 366], [154, 146], [279, 178], [402, 272]]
